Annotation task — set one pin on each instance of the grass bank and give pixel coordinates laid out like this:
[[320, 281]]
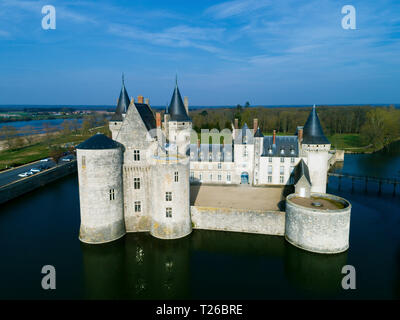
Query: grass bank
[[41, 149]]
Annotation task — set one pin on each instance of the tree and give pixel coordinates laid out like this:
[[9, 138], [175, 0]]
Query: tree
[[8, 133], [28, 132]]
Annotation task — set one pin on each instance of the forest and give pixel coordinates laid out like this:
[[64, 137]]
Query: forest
[[376, 126]]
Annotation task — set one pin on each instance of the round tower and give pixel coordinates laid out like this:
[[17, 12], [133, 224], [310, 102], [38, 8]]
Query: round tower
[[316, 148], [99, 162], [170, 213]]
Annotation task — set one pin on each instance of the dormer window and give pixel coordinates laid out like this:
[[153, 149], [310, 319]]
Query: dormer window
[[291, 151], [282, 151], [270, 151]]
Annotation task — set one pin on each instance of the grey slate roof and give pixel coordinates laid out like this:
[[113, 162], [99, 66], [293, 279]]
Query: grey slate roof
[[244, 135], [301, 170], [213, 152], [123, 103], [98, 141], [176, 108], [285, 146], [312, 131], [147, 115], [258, 133]]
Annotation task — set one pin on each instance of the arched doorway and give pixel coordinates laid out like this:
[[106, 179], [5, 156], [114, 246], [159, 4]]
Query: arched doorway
[[244, 178]]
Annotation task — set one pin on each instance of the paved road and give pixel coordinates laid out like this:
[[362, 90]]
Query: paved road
[[12, 175]]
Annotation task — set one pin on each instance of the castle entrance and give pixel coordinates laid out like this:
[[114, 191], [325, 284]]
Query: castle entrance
[[244, 178]]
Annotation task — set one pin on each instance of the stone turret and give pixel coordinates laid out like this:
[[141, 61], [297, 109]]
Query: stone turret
[[99, 162], [316, 148], [179, 122]]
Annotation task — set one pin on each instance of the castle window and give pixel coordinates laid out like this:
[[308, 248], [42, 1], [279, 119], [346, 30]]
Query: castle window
[[282, 159], [282, 170], [269, 159], [138, 206], [219, 165], [269, 169], [245, 152], [269, 179], [210, 176], [292, 160], [168, 212], [219, 177], [281, 179], [136, 183], [136, 155], [83, 162], [192, 175], [200, 177], [168, 196], [228, 177], [176, 176], [292, 151], [112, 194], [270, 151], [282, 151]]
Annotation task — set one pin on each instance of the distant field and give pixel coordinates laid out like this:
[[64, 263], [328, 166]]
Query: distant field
[[345, 141], [38, 150]]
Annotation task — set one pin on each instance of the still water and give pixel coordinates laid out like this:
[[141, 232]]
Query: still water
[[37, 126], [42, 228]]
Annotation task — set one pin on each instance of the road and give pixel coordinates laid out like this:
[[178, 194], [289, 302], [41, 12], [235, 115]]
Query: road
[[12, 175]]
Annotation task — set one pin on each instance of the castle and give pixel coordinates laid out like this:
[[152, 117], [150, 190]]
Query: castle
[[140, 179]]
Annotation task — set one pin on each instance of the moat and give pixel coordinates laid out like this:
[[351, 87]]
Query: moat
[[42, 228]]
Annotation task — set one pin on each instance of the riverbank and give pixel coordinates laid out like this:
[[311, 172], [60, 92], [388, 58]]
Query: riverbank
[[42, 146]]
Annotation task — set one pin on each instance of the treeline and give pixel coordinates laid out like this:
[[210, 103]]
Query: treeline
[[377, 126]]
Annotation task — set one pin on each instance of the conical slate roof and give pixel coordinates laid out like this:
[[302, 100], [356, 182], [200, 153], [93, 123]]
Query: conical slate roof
[[301, 170], [258, 133], [123, 103], [176, 108], [312, 131], [98, 141]]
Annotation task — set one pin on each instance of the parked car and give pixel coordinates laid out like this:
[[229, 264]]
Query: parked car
[[29, 173], [35, 170], [22, 175], [45, 160]]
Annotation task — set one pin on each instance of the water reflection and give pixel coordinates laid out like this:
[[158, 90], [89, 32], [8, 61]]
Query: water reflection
[[315, 273], [139, 266]]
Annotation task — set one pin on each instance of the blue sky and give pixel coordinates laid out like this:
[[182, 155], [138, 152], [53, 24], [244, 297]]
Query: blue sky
[[224, 52]]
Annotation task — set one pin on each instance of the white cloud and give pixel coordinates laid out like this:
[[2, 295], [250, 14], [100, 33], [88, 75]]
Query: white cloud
[[237, 7]]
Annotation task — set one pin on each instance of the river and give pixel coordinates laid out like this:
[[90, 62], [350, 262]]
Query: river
[[42, 228], [37, 126]]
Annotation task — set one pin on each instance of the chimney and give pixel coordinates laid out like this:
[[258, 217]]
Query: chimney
[[236, 123], [255, 125], [300, 134], [147, 101], [140, 99], [186, 103], [274, 137], [158, 120]]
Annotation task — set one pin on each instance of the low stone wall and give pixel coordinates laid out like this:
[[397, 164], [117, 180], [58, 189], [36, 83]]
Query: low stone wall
[[238, 220], [20, 187]]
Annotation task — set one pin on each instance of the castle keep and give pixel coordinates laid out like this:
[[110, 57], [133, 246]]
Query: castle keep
[[140, 179]]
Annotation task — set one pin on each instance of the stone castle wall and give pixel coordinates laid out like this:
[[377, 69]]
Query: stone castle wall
[[238, 220]]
